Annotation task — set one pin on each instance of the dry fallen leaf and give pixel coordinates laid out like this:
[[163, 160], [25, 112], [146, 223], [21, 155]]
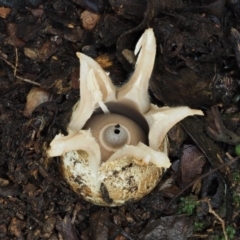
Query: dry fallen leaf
[[89, 19], [11, 38], [104, 61], [35, 97], [42, 54], [16, 227], [4, 11], [191, 164]]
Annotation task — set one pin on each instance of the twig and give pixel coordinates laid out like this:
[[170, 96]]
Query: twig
[[210, 210], [16, 62], [120, 230], [7, 62], [200, 178], [28, 81], [214, 77], [202, 236], [16, 70]]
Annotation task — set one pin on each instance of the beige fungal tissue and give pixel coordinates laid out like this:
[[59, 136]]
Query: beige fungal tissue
[[116, 148], [35, 97]]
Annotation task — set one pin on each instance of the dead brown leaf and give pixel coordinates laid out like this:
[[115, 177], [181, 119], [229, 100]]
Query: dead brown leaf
[[42, 54], [35, 97], [4, 12], [191, 164], [89, 19]]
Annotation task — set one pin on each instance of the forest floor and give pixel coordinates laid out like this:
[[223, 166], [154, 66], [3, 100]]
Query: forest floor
[[197, 65]]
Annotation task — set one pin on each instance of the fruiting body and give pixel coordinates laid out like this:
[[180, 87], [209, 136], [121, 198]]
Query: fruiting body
[[116, 147]]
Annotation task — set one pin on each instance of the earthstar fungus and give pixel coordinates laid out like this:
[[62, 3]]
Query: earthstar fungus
[[116, 147]]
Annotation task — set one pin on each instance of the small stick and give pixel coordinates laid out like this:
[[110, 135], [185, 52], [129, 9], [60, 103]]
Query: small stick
[[28, 81], [210, 210], [232, 160], [120, 230], [16, 62], [16, 70], [8, 63]]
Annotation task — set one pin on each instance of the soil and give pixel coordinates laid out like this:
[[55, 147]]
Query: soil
[[197, 64]]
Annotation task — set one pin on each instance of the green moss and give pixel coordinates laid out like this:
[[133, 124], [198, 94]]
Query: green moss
[[187, 205], [236, 176], [237, 149], [236, 199], [230, 233], [199, 226]]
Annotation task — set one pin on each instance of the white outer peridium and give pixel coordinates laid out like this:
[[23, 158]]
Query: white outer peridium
[[143, 179]]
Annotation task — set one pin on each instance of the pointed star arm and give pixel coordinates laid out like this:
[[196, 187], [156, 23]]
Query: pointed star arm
[[136, 89], [161, 120], [82, 140], [96, 88], [142, 152]]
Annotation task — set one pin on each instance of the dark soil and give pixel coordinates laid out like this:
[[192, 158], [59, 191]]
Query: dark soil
[[197, 64]]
